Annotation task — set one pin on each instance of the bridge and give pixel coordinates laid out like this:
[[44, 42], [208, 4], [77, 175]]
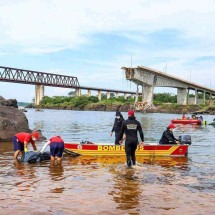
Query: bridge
[[41, 79], [149, 79]]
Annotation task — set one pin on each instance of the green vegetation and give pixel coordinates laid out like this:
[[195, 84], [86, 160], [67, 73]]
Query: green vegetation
[[67, 102], [160, 98], [164, 102]]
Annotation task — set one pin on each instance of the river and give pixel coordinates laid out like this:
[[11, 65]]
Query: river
[[101, 185]]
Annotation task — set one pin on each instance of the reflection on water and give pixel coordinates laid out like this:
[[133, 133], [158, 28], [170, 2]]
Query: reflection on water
[[126, 191], [104, 185]]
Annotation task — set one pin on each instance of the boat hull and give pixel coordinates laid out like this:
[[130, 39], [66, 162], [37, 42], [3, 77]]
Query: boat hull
[[187, 121], [117, 150]]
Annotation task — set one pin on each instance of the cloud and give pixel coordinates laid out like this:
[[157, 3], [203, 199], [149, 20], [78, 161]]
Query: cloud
[[94, 39], [49, 26]]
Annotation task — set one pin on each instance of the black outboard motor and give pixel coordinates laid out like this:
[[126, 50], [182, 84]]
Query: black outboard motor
[[33, 157], [185, 139]]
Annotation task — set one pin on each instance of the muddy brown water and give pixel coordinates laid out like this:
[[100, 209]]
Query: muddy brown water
[[103, 185]]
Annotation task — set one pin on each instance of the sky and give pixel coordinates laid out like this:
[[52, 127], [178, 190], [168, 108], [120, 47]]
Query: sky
[[93, 39]]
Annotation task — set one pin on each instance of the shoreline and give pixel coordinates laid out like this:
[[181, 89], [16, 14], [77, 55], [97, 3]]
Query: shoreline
[[163, 108]]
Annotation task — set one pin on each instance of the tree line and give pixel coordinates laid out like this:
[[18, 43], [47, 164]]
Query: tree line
[[72, 101]]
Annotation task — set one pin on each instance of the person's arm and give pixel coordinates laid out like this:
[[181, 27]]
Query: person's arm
[[34, 145], [45, 145], [25, 146], [122, 130], [112, 129], [175, 138], [169, 137], [139, 127]]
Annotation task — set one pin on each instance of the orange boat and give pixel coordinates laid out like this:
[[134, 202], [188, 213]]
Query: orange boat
[[187, 121], [117, 150]]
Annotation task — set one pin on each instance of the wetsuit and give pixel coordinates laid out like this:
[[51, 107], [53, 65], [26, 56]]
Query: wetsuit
[[168, 138], [116, 128], [130, 127]]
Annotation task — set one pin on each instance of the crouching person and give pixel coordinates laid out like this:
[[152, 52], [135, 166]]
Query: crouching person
[[168, 137], [56, 148], [21, 140]]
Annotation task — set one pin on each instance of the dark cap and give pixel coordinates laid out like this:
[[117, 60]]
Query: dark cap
[[118, 113]]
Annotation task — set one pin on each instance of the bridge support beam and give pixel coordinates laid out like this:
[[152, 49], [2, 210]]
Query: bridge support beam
[[89, 92], [196, 97], [39, 93], [204, 99], [78, 92], [210, 99], [147, 94], [117, 95], [99, 95], [125, 96], [108, 95], [182, 96]]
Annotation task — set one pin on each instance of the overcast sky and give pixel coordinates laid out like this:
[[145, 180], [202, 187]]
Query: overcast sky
[[93, 39]]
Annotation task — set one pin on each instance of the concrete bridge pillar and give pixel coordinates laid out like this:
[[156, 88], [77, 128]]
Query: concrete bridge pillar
[[89, 92], [196, 97], [204, 99], [78, 92], [210, 98], [142, 93], [99, 95], [108, 95], [125, 96], [147, 94], [117, 95], [39, 93], [181, 96]]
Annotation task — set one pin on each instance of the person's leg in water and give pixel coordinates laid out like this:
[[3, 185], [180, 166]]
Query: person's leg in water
[[60, 152], [128, 154], [18, 147], [117, 138], [133, 150], [52, 159], [53, 151]]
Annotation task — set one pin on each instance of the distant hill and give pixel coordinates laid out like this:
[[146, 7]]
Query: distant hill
[[23, 104]]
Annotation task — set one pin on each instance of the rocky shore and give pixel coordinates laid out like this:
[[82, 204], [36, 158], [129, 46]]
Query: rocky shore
[[12, 120]]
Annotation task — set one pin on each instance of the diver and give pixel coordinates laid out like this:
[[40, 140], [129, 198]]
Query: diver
[[117, 126]]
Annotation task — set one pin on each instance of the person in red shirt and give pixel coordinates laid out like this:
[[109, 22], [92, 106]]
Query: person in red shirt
[[184, 117], [21, 140], [56, 148]]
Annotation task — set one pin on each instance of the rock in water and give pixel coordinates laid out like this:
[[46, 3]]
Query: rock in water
[[9, 102], [12, 121]]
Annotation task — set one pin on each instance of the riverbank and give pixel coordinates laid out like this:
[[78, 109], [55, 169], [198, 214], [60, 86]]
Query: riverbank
[[180, 109], [163, 108], [120, 103]]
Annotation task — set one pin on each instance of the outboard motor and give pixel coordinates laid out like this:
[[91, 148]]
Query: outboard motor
[[185, 139], [33, 157]]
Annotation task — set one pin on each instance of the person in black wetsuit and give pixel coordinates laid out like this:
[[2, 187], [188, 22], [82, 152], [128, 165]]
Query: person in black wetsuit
[[130, 127], [117, 126], [168, 137]]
